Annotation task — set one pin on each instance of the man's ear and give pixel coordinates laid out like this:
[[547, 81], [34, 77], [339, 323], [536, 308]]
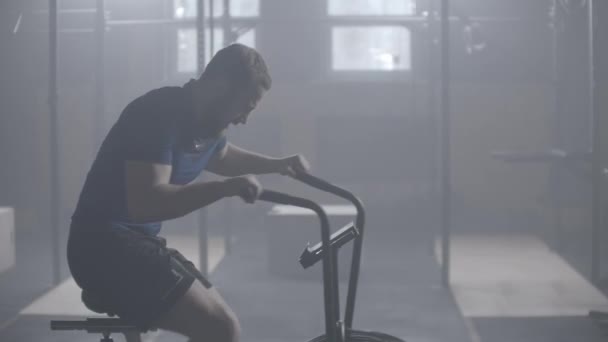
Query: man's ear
[[218, 86]]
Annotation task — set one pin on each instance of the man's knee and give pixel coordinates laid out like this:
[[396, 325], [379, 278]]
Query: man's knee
[[231, 327], [222, 327], [202, 315]]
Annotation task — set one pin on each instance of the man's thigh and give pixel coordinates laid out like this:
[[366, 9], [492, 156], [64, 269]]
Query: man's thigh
[[198, 312]]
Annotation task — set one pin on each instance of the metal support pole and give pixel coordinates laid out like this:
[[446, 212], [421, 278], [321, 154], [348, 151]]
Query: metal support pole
[[54, 142], [203, 239], [200, 33], [228, 226], [596, 187], [556, 236], [100, 28], [211, 28], [228, 39], [336, 289], [228, 36], [446, 190], [432, 107], [202, 217]]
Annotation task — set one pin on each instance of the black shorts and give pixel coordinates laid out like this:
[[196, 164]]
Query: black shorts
[[136, 275]]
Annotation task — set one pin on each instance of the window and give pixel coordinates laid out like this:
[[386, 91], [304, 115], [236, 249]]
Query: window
[[373, 45], [187, 46], [186, 50], [242, 14], [184, 9], [371, 7], [371, 48], [238, 8]]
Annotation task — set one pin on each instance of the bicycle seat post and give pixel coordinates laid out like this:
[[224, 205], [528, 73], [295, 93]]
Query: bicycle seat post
[[132, 336], [106, 337]]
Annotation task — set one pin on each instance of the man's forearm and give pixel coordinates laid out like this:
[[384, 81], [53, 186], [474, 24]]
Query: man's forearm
[[238, 162], [168, 201]]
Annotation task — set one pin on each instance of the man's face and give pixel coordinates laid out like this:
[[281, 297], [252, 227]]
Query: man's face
[[231, 107], [241, 106]]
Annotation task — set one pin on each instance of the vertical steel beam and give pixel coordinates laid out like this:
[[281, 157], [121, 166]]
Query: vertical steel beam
[[202, 213], [228, 36], [100, 28], [446, 187], [596, 150], [54, 142]]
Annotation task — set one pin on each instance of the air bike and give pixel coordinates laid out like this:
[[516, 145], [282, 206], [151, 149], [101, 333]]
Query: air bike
[[326, 251]]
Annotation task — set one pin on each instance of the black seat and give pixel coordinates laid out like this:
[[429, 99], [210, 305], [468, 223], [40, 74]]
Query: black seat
[[104, 326], [97, 325]]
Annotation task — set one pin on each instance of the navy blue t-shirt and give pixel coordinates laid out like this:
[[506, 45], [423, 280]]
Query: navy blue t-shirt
[[157, 127]]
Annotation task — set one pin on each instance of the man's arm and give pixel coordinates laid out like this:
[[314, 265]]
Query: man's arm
[[150, 197], [234, 161]]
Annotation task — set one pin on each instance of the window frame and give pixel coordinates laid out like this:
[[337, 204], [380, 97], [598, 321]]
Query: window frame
[[221, 22], [369, 75]]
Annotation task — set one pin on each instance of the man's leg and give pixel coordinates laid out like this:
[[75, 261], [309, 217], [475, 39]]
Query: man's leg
[[202, 315]]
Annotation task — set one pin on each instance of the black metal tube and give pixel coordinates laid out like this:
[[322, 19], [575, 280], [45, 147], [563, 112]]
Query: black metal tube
[[228, 39], [407, 21], [328, 257], [100, 28], [200, 35], [555, 69], [144, 22], [203, 239], [446, 188], [353, 281], [211, 28], [176, 22], [596, 153], [228, 211], [202, 215], [432, 106], [336, 293], [67, 11], [54, 142], [557, 141]]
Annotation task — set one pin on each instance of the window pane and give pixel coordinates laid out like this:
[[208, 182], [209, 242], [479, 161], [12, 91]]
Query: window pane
[[247, 38], [238, 8], [187, 46], [218, 34], [184, 9], [245, 8], [371, 48], [186, 50], [371, 7]]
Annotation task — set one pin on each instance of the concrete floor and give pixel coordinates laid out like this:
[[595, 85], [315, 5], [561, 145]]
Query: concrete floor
[[504, 288]]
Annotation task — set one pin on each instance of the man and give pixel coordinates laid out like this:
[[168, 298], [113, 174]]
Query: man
[[144, 173]]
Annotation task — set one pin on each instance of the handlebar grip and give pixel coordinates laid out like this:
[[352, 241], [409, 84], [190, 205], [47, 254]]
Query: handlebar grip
[[247, 193], [276, 197], [313, 181]]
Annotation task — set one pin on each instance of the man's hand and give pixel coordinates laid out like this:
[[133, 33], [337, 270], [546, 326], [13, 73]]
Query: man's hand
[[247, 187], [293, 165]]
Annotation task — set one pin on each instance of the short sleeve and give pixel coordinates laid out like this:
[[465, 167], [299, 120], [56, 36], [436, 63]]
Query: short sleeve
[[221, 143], [151, 141]]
